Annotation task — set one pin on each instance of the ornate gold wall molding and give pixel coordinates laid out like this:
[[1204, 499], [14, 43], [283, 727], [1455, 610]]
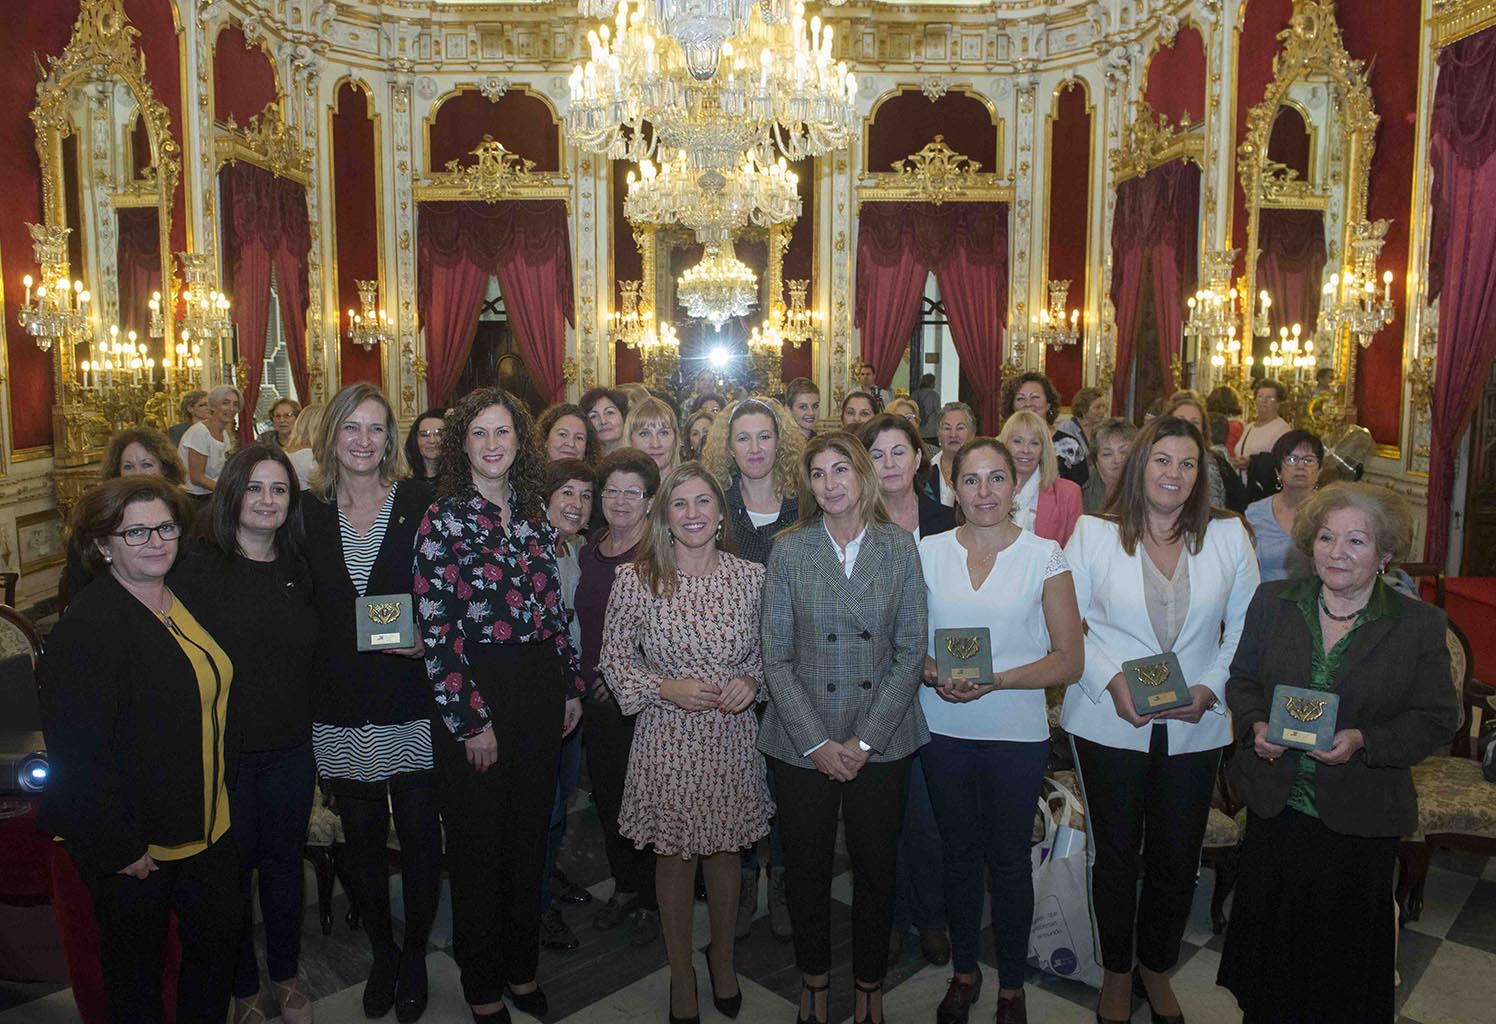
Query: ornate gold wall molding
[[268, 142], [936, 174], [498, 175], [1151, 140], [1453, 20]]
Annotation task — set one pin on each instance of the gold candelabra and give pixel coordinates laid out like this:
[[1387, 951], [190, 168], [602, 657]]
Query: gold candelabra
[[1050, 326], [1349, 303], [369, 326], [633, 325], [56, 308]]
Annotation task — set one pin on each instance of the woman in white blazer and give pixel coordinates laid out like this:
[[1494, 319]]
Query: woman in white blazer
[[1158, 571]]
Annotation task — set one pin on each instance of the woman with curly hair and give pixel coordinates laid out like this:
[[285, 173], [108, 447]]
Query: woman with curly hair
[[508, 687], [753, 451], [563, 432]]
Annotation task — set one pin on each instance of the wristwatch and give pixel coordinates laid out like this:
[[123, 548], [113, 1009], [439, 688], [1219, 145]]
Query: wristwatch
[[863, 747]]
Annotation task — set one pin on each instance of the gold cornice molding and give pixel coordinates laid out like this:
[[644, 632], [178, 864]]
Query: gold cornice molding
[[267, 142], [497, 175], [1150, 140], [936, 174], [1453, 20]]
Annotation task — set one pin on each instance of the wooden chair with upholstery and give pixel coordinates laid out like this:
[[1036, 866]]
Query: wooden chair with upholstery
[[1456, 805], [1427, 570]]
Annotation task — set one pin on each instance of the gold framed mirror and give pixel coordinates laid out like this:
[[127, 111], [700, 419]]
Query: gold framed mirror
[[1304, 168], [109, 171]]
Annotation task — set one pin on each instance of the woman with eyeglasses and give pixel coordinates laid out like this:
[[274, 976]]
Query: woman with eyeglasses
[[627, 480], [423, 444], [1298, 455], [134, 700]]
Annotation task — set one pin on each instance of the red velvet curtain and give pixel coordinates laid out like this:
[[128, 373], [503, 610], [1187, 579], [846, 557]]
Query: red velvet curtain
[[268, 227], [527, 244], [138, 260], [898, 244], [1156, 221], [974, 287], [1291, 265], [1464, 213]]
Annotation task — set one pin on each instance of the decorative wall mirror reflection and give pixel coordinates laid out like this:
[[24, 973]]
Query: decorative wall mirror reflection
[[1304, 171], [109, 171]]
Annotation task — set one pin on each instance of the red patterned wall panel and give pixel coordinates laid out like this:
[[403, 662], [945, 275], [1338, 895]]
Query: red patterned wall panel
[[355, 209]]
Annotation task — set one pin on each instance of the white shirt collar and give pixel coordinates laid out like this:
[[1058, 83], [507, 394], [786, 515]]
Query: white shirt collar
[[847, 555]]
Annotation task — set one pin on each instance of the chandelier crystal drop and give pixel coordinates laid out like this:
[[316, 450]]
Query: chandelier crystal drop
[[713, 204], [718, 288], [775, 91]]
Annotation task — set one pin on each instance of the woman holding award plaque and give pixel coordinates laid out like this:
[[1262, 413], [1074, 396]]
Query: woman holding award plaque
[[844, 645], [1163, 582], [507, 686], [1340, 685], [989, 733], [371, 709]]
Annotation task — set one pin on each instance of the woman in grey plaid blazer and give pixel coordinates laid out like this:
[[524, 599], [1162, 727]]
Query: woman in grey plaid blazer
[[844, 645]]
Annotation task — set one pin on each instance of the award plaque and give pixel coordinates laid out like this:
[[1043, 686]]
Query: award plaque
[[386, 622], [1302, 719], [1156, 683], [963, 655]]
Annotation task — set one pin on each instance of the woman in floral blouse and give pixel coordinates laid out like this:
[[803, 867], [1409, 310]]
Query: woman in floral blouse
[[507, 686]]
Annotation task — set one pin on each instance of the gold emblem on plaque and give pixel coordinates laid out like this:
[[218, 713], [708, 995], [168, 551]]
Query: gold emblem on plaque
[[1303, 709], [385, 612], [963, 647], [1154, 675]]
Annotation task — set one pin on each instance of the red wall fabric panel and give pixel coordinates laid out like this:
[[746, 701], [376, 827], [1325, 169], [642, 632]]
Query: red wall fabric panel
[[1176, 78], [243, 80], [1389, 45], [908, 122], [356, 206], [1289, 143], [38, 27], [1069, 223], [522, 122], [1254, 70]]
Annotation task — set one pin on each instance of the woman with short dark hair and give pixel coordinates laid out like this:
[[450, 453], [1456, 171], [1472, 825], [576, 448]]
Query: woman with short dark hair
[[252, 551], [564, 432], [194, 409], [1297, 457], [282, 418], [606, 409], [1112, 442], [423, 443], [1313, 935], [505, 678], [134, 701]]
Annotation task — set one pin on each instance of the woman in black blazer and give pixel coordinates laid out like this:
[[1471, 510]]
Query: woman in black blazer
[[249, 576], [1312, 932], [134, 699], [372, 712]]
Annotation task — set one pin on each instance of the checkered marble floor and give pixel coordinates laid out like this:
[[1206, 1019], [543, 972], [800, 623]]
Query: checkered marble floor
[[1447, 963]]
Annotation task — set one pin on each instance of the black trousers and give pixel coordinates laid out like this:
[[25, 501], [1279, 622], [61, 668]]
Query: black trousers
[[609, 736], [132, 915], [497, 820], [872, 812], [1152, 805]]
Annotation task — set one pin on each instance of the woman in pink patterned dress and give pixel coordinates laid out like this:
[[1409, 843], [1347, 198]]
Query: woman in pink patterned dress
[[681, 649]]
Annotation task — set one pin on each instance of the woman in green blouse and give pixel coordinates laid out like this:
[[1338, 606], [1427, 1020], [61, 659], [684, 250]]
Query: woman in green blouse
[[1312, 932]]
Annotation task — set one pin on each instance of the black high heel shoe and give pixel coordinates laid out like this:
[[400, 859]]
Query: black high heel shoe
[[411, 989], [1141, 991], [728, 1006], [814, 990], [379, 990], [532, 1002], [695, 1018], [499, 1016], [869, 991]]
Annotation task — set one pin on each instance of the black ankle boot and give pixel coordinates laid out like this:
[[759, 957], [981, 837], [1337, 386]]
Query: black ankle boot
[[532, 1002], [410, 988], [379, 990]]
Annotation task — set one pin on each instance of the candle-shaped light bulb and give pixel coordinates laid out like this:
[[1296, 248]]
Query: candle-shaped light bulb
[[1387, 288]]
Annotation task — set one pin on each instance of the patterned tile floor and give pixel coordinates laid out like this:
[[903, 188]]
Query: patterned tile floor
[[1447, 962]]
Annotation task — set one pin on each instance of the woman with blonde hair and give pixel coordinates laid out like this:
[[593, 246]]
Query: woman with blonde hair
[[1045, 503], [652, 427], [372, 712], [299, 446], [753, 450], [681, 650], [844, 647]]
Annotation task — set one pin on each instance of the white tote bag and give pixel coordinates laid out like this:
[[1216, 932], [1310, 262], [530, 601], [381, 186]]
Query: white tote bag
[[1061, 938]]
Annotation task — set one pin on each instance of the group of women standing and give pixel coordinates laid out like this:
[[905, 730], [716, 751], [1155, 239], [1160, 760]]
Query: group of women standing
[[800, 578]]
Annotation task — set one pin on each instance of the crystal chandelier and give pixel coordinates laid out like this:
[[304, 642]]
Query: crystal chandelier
[[206, 309], [1050, 327], [776, 89], [718, 288], [796, 323], [1350, 299], [368, 327], [1291, 358], [633, 319], [712, 203], [56, 308]]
